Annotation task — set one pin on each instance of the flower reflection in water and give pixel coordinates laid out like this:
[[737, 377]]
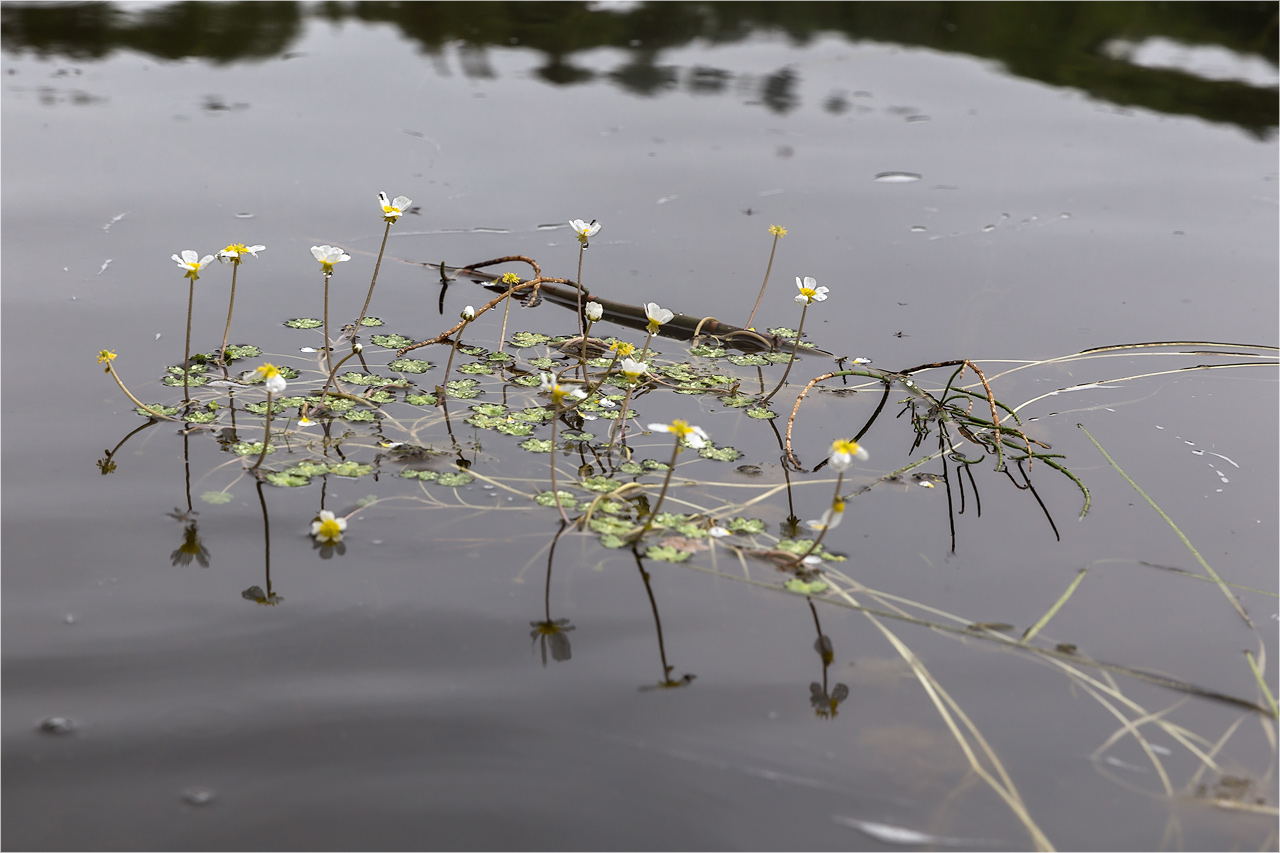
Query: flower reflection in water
[[190, 549]]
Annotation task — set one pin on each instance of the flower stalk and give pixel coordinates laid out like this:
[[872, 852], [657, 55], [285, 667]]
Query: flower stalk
[[778, 232]]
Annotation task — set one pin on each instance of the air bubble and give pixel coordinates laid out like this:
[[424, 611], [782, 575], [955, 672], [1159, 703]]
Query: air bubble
[[57, 726], [198, 796], [897, 177]]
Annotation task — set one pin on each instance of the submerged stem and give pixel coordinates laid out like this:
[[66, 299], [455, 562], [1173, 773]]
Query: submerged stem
[[653, 513], [266, 438]]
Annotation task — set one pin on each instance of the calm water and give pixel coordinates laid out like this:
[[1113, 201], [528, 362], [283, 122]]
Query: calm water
[[1088, 176]]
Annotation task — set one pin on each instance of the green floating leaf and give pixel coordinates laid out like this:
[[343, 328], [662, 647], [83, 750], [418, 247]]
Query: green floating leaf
[[760, 413], [206, 417], [523, 340], [543, 363], [250, 448], [529, 381], [801, 546], [805, 588], [193, 381], [308, 469], [738, 401], [455, 478], [610, 540], [420, 475], [410, 365], [194, 369], [577, 436], [281, 478], [238, 352], [164, 410], [707, 351], [680, 523], [216, 498], [784, 332], [391, 341], [492, 410], [600, 484], [514, 428], [567, 500], [350, 469], [737, 524], [360, 416], [720, 454], [371, 321], [609, 525], [537, 445], [421, 399], [749, 360], [500, 357], [666, 554], [477, 368], [304, 323], [631, 468], [614, 507], [470, 350], [462, 389], [380, 396], [335, 404], [352, 377]]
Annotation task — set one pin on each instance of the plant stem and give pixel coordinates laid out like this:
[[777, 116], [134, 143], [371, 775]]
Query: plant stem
[[226, 334], [823, 532], [555, 491], [506, 309], [653, 513], [186, 352], [377, 266], [138, 402], [266, 438], [766, 282], [787, 372], [328, 357]]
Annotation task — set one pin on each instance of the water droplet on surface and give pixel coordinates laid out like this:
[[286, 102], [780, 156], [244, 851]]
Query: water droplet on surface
[[916, 118], [919, 229], [1064, 215], [198, 796], [897, 177], [57, 726], [69, 619], [988, 228], [244, 216]]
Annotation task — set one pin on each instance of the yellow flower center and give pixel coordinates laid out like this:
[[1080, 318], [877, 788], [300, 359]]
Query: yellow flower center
[[329, 530], [837, 506], [808, 292], [777, 231], [106, 355], [267, 371], [622, 348], [510, 278], [844, 445], [681, 428]]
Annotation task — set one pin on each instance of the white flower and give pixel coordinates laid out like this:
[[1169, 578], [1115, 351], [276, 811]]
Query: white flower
[[393, 210], [305, 421], [594, 311], [272, 380], [830, 519], [694, 436], [634, 369], [468, 313], [809, 291], [717, 532], [583, 230], [328, 256], [558, 392], [843, 452], [657, 316], [236, 252], [328, 528], [192, 263]]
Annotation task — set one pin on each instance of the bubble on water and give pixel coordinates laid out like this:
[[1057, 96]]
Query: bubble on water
[[69, 619], [988, 228], [57, 726], [198, 796], [915, 118], [1064, 215], [919, 229], [244, 216], [897, 177]]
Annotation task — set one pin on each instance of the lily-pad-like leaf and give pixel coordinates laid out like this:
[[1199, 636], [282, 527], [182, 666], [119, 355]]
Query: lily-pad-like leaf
[[352, 377], [421, 399], [805, 587], [470, 350], [610, 525], [611, 540], [371, 321], [238, 352], [455, 478], [428, 476], [680, 523], [380, 396], [707, 351], [164, 410], [336, 404], [542, 363], [492, 410], [250, 448], [282, 478], [537, 445], [534, 414], [577, 436], [477, 368], [760, 413], [500, 357], [360, 416], [193, 369], [738, 401], [753, 359], [462, 389], [523, 340], [409, 365], [801, 546], [737, 524], [216, 498], [193, 380], [784, 333], [391, 341], [600, 484], [528, 380], [350, 469], [308, 469], [666, 554], [720, 454], [304, 323], [514, 428], [205, 417], [567, 500]]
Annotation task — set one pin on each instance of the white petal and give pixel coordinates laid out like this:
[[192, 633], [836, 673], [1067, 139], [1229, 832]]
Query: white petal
[[320, 252], [383, 200], [189, 256], [802, 300], [660, 427], [402, 203]]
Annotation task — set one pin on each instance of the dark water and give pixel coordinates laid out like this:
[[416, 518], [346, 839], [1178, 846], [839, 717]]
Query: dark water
[[1090, 175]]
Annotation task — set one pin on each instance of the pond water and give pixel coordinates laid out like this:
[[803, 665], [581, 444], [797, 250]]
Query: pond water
[[1006, 183]]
